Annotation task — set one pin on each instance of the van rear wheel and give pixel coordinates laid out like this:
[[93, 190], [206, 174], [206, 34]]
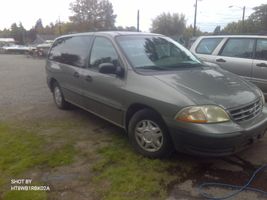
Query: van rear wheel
[[149, 135], [59, 98]]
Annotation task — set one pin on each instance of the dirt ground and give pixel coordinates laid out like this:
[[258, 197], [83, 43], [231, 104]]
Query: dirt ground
[[25, 99]]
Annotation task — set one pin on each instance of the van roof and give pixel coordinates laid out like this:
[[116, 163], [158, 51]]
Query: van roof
[[234, 36], [110, 33]]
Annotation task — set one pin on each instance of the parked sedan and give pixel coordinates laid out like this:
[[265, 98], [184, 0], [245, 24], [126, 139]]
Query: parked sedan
[[161, 94], [17, 49], [245, 55]]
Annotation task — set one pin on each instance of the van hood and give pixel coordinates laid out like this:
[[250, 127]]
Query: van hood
[[211, 86]]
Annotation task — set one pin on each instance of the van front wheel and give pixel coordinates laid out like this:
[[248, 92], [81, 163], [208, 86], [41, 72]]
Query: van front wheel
[[149, 135]]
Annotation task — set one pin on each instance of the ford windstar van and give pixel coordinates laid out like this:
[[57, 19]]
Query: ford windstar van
[[161, 94]]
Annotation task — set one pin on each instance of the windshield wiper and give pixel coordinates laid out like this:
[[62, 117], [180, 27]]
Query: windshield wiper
[[153, 67], [169, 68], [184, 65]]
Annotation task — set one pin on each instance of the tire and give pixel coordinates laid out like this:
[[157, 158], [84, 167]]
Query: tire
[[149, 135], [59, 97]]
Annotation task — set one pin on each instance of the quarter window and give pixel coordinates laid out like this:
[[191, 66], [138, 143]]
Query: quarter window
[[207, 45], [238, 47], [261, 49], [103, 52], [55, 52], [71, 50]]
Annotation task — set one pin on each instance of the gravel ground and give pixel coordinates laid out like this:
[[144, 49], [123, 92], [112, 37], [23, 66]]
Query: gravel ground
[[23, 87]]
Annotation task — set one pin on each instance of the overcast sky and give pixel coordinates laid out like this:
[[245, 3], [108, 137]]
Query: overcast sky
[[210, 12]]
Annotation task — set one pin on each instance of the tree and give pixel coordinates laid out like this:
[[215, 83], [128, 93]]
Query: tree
[[107, 18], [237, 27], [170, 25], [17, 32], [259, 16], [127, 28], [93, 15], [5, 33], [217, 30], [21, 34], [31, 35], [39, 26], [189, 33], [14, 29], [256, 23]]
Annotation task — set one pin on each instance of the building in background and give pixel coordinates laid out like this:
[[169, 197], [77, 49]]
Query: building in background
[[6, 42]]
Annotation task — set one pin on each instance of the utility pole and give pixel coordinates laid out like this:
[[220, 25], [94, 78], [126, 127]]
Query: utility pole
[[243, 16], [195, 19], [243, 19], [59, 26], [138, 20]]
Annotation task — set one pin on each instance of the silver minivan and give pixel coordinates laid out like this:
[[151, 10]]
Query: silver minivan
[[159, 92], [245, 55]]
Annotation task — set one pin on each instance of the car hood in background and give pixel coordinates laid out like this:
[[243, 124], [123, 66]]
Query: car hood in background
[[211, 86]]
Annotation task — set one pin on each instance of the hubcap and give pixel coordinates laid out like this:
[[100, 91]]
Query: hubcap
[[148, 135], [58, 96]]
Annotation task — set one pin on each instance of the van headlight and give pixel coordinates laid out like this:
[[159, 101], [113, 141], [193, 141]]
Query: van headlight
[[262, 97], [202, 114]]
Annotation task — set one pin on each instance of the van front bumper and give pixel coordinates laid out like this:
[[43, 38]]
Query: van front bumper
[[218, 139]]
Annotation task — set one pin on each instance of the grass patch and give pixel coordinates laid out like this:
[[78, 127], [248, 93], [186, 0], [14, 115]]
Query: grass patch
[[122, 174], [25, 195], [119, 172], [22, 150], [19, 150], [63, 156]]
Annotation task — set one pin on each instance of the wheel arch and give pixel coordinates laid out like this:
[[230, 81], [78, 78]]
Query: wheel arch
[[132, 109], [51, 83]]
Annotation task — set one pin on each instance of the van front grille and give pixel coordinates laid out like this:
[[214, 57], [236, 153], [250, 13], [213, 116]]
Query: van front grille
[[247, 112]]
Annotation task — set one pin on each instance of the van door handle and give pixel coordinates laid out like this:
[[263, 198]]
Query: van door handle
[[220, 60], [88, 78], [76, 74], [261, 65]]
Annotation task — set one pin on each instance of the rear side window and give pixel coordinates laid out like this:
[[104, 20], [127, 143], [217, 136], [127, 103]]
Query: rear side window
[[238, 47], [261, 49], [207, 45], [71, 50], [103, 52]]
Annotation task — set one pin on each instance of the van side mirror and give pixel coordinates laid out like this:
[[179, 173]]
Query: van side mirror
[[109, 68]]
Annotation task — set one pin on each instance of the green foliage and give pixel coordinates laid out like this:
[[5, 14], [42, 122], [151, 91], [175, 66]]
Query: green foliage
[[189, 33], [92, 15], [63, 156], [25, 195], [5, 33], [169, 24], [18, 32], [39, 26], [256, 23], [237, 27], [21, 150], [217, 30], [259, 16], [88, 15], [126, 175], [127, 28]]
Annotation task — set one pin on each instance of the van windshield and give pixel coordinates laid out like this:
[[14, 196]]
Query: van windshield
[[156, 53]]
